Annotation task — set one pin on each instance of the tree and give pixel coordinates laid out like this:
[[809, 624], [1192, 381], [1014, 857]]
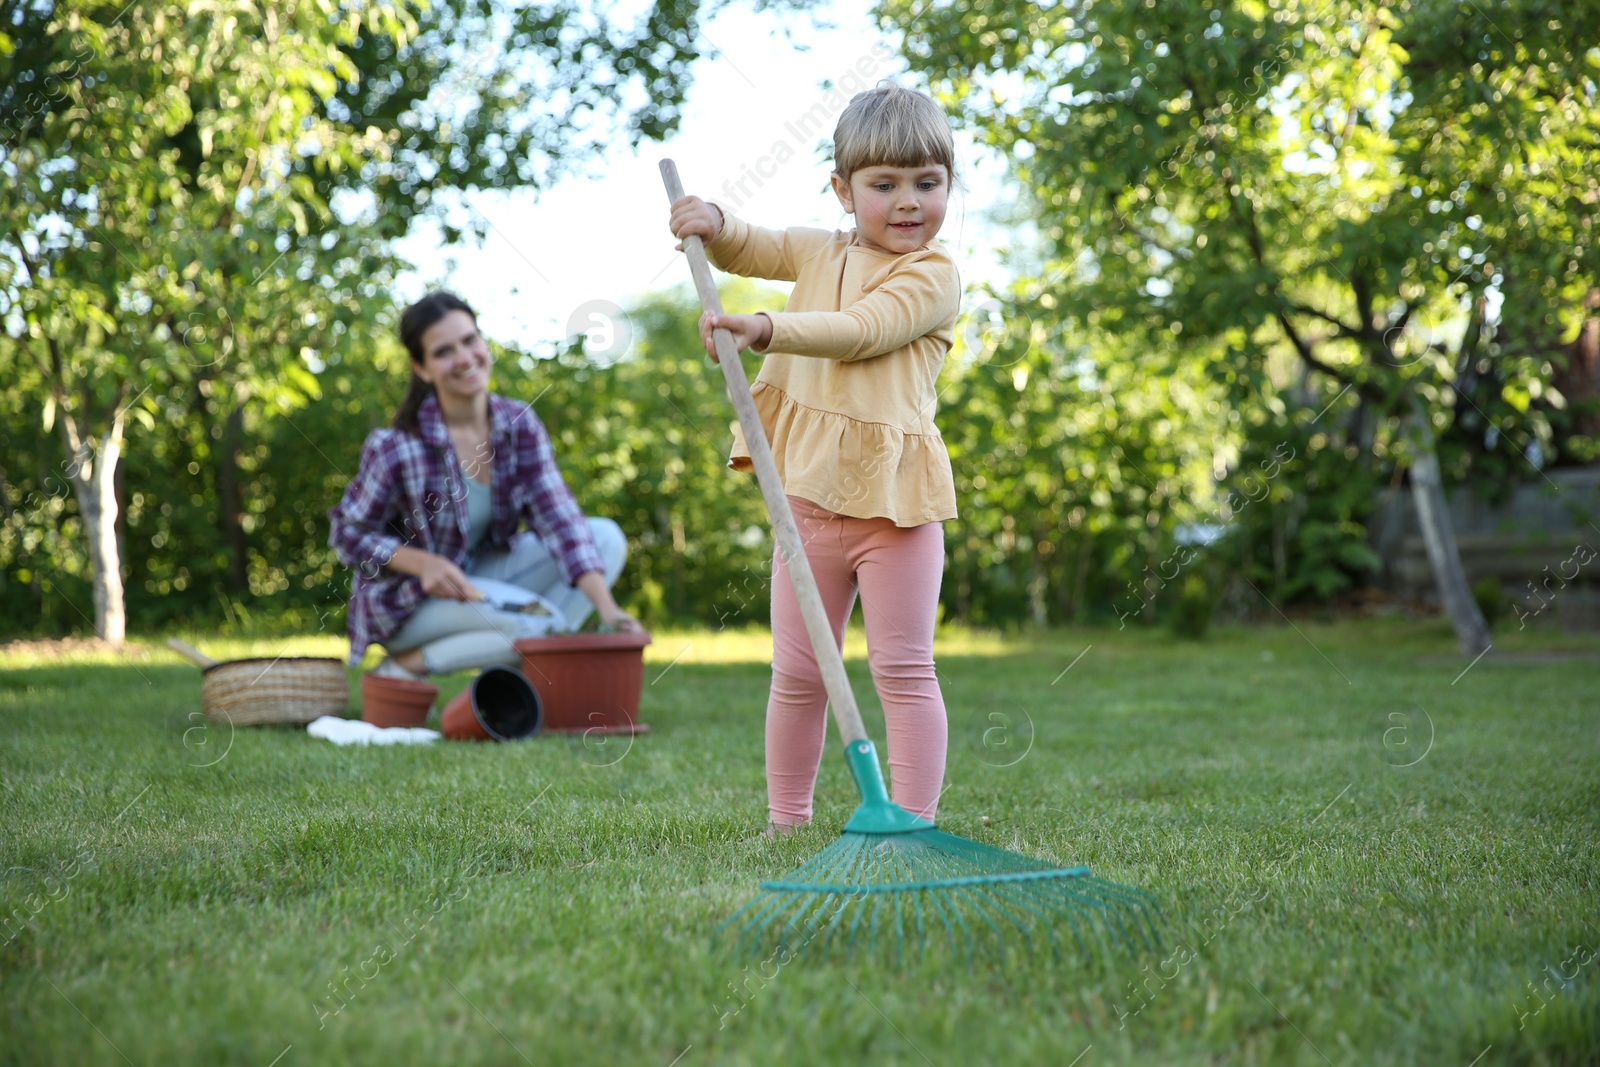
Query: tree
[[1347, 182], [196, 197], [1068, 454], [165, 232]]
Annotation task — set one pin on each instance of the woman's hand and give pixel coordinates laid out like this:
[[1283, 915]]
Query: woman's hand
[[749, 331], [440, 576], [618, 619], [593, 584], [443, 579], [693, 217]]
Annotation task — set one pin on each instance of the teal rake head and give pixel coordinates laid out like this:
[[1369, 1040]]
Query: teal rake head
[[892, 882]]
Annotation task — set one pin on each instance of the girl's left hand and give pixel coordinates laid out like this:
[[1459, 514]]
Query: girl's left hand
[[749, 331], [693, 216]]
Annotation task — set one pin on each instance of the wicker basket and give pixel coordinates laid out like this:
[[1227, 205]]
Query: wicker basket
[[255, 692]]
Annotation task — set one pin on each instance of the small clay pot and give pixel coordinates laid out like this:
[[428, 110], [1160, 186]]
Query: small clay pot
[[395, 701], [499, 705]]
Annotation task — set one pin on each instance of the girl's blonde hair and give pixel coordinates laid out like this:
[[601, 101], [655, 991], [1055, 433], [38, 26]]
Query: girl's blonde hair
[[892, 127]]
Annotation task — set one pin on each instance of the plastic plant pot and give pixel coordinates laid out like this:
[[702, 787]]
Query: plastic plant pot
[[588, 683], [390, 702], [499, 705]]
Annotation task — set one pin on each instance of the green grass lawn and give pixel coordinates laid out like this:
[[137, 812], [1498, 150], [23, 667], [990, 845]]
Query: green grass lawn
[[1364, 855]]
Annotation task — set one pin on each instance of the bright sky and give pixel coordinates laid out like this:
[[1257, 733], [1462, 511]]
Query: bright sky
[[550, 262]]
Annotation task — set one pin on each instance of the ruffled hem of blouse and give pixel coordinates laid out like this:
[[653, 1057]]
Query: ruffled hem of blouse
[[866, 470]]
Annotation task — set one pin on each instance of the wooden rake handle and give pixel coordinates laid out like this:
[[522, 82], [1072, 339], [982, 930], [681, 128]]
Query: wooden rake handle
[[784, 530]]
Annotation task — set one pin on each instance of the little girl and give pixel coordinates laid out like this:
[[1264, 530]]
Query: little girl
[[847, 397]]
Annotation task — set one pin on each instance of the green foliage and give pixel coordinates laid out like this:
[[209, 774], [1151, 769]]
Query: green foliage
[[1342, 209], [169, 256], [196, 209], [495, 94], [642, 441], [1193, 610], [1072, 464], [1296, 508], [1262, 232], [1073, 470], [1491, 598]]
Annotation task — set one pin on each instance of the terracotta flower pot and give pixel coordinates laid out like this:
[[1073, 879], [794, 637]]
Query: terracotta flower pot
[[499, 705], [588, 683], [395, 701]]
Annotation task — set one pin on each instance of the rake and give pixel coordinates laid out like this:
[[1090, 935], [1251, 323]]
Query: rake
[[893, 879]]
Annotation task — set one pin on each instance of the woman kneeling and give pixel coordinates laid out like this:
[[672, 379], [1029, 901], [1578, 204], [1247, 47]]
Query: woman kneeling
[[462, 534]]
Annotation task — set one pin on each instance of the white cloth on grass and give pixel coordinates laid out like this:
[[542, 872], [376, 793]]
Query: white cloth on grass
[[355, 732]]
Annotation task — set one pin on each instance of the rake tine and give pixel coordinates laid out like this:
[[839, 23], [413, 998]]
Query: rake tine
[[763, 910], [944, 911], [1141, 904], [1033, 899], [1114, 912], [1073, 911], [976, 902], [902, 903], [949, 866], [838, 917], [1069, 902]]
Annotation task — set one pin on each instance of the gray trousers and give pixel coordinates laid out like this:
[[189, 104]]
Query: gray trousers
[[456, 636]]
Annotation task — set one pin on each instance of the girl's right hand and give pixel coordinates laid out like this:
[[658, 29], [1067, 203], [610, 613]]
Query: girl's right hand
[[443, 579], [749, 331], [693, 217]]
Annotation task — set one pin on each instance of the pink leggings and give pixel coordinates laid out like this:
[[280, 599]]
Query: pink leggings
[[898, 572]]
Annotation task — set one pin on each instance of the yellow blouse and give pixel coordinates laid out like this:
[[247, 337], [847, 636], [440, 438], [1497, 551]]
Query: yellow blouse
[[852, 430]]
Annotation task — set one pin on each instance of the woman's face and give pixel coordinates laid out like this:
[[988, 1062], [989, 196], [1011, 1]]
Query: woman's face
[[455, 357]]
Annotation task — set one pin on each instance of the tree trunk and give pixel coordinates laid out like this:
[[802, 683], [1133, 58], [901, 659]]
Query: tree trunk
[[1038, 589], [680, 543], [1280, 551], [1427, 494], [1080, 577], [1577, 377], [94, 483], [230, 500], [1069, 592]]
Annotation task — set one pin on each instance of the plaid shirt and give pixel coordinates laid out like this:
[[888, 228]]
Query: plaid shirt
[[411, 491]]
